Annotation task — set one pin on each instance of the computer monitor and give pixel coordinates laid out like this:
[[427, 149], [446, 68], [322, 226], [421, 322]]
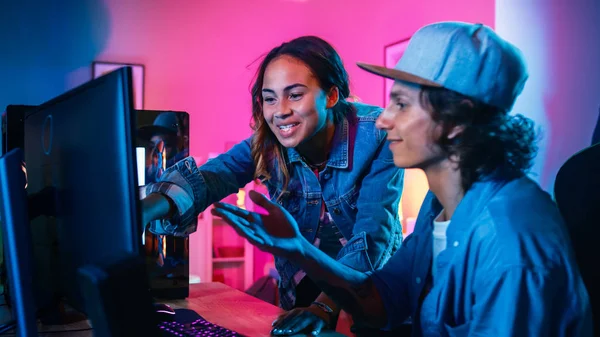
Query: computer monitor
[[162, 140], [81, 145], [17, 238]]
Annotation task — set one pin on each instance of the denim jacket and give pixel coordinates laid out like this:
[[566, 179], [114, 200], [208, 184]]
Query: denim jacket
[[508, 269], [360, 186]]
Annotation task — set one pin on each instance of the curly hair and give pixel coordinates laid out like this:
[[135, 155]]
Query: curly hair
[[326, 65], [492, 144]]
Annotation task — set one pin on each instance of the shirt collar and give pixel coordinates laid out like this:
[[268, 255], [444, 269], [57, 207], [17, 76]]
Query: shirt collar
[[472, 204], [474, 201]]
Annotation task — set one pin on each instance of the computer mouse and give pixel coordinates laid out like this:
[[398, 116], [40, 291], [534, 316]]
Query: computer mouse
[[164, 312]]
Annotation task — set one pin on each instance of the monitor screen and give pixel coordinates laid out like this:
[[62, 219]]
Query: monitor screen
[[81, 145], [162, 140]]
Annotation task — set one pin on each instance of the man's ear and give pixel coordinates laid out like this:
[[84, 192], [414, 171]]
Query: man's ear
[[333, 96], [467, 102], [456, 131]]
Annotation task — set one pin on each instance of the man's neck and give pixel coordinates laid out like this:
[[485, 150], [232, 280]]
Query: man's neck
[[446, 183]]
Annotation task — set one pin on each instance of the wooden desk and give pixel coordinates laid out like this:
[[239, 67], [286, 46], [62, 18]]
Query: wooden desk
[[218, 303], [233, 309]]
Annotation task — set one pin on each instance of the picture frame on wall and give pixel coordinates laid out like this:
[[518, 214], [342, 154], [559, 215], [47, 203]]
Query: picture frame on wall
[[100, 68], [392, 54]]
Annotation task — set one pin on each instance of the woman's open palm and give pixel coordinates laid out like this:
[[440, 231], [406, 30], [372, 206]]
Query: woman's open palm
[[275, 232]]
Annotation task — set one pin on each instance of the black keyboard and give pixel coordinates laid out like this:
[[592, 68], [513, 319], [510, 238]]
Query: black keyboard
[[199, 327]]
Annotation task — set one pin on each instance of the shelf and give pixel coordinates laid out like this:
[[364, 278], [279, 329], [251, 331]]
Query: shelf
[[228, 259], [236, 267]]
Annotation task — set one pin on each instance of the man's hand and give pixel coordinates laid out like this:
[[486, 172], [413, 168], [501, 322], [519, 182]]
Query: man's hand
[[312, 319]]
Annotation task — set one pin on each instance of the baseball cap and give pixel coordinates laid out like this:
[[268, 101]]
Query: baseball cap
[[470, 59], [164, 123]]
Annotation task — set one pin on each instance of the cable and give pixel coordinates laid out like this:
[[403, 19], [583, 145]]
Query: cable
[[8, 326]]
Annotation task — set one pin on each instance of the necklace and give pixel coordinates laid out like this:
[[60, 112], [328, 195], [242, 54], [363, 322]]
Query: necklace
[[314, 166]]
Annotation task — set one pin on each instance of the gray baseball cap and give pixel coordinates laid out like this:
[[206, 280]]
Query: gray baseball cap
[[470, 59]]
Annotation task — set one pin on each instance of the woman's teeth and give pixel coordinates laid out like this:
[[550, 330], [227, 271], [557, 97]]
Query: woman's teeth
[[287, 127]]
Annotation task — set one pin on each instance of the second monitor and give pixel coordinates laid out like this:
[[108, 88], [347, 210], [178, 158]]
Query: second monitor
[[162, 140]]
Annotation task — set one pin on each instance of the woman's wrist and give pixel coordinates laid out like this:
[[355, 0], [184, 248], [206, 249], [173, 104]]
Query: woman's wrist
[[156, 206]]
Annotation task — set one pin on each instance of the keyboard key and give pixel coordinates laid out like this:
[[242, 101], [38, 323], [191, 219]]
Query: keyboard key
[[199, 327]]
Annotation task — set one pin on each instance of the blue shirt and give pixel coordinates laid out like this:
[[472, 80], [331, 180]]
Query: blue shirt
[[360, 187], [508, 269]]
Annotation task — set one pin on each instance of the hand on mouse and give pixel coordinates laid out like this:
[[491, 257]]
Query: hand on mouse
[[312, 319]]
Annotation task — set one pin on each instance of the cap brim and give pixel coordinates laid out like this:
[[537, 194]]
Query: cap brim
[[395, 74]]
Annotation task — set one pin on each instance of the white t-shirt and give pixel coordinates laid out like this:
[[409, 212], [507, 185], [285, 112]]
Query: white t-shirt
[[439, 240]]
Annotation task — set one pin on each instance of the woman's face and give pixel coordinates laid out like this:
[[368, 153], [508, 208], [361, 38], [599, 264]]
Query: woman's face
[[412, 132], [294, 105]]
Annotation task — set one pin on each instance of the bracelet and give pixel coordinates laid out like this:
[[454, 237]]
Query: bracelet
[[332, 317], [323, 307]]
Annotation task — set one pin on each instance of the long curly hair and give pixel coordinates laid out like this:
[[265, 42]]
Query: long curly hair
[[492, 144], [327, 66]]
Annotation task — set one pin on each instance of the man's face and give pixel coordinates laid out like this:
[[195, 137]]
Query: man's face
[[162, 142]]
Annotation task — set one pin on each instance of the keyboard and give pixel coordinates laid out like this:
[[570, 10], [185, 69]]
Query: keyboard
[[200, 327]]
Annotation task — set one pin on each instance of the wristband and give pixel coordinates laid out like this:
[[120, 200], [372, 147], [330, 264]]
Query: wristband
[[323, 307], [332, 317]]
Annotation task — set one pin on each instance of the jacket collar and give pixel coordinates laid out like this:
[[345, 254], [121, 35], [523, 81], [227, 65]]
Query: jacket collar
[[340, 154]]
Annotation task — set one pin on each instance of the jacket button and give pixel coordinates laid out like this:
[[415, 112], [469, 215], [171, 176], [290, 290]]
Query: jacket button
[[337, 211]]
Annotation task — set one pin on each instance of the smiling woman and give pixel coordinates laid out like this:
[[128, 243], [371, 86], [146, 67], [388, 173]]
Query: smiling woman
[[321, 158], [297, 112], [305, 76]]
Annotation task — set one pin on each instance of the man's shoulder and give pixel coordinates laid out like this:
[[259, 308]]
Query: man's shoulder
[[524, 221]]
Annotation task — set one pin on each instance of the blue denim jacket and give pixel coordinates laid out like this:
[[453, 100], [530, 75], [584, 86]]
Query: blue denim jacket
[[360, 185], [508, 269]]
